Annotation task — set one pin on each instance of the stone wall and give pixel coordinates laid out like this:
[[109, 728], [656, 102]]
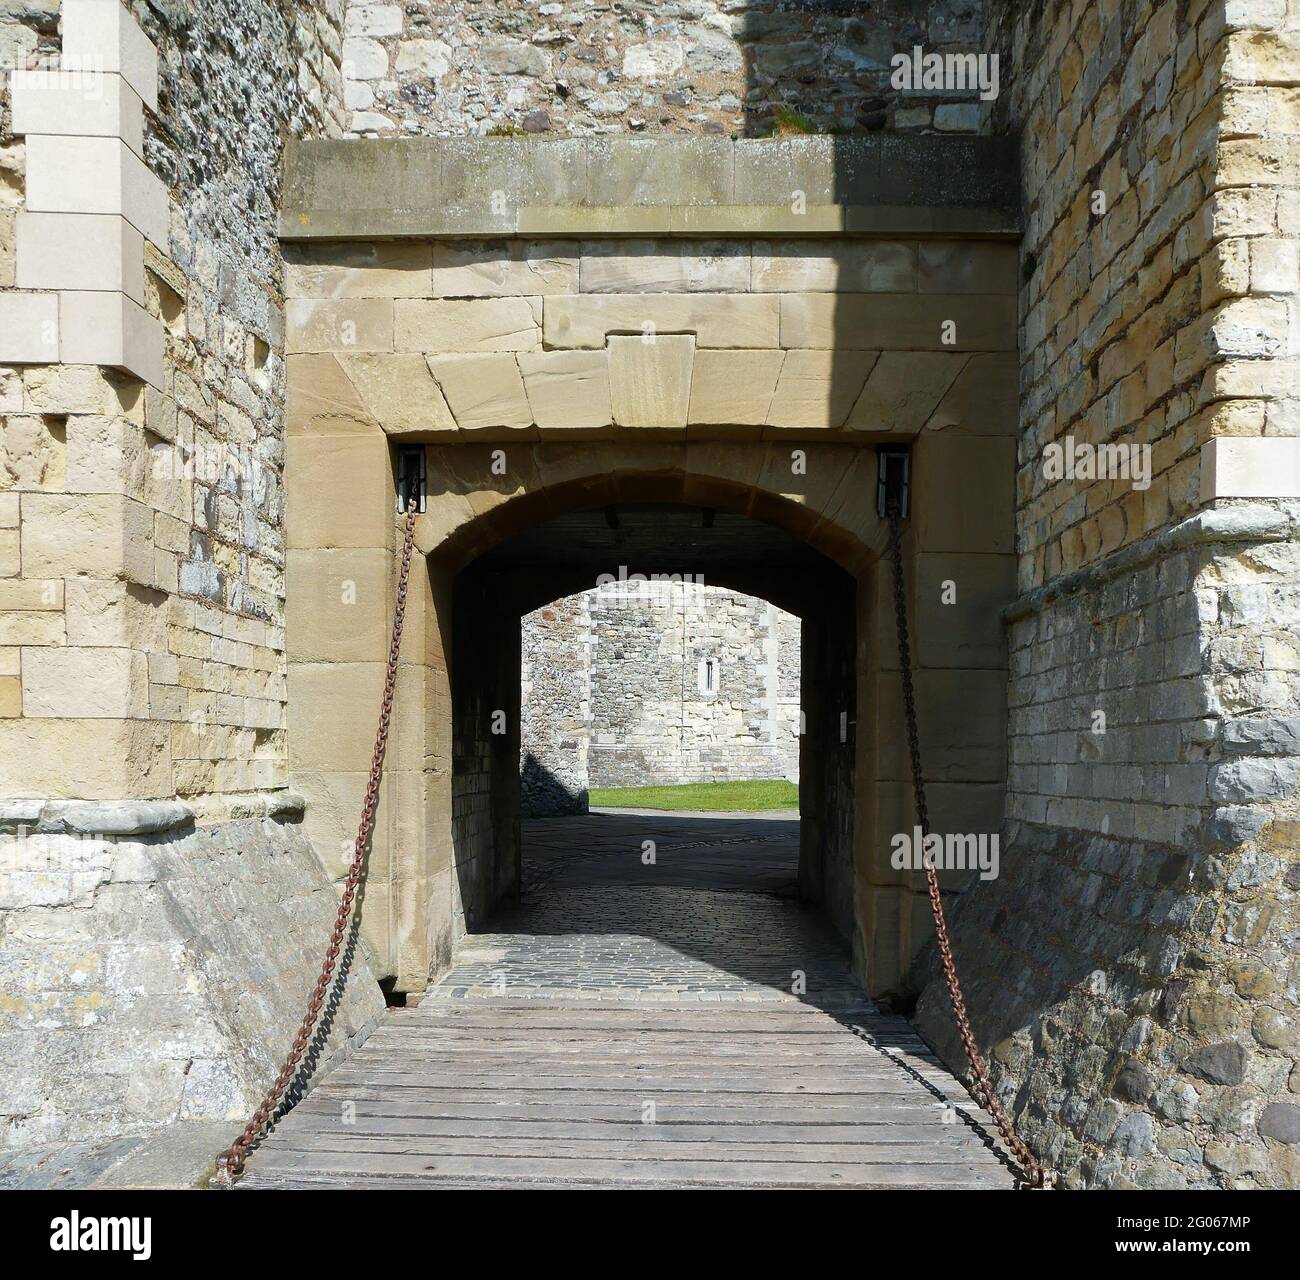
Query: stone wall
[[1133, 968], [728, 358], [709, 66], [141, 547], [555, 710], [157, 977], [149, 978], [615, 692], [654, 718]]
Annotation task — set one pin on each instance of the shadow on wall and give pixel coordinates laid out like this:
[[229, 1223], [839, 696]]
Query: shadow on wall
[[543, 795], [824, 66]]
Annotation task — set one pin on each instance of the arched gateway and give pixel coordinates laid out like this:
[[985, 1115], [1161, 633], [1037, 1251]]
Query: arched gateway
[[547, 369]]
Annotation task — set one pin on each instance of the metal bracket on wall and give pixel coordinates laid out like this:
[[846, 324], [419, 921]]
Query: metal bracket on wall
[[412, 479], [893, 480]]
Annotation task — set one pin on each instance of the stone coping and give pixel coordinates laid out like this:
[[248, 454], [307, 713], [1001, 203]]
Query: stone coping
[[133, 817], [1244, 522], [372, 188]]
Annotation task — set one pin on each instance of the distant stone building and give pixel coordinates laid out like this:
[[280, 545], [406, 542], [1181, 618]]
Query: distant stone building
[[660, 684]]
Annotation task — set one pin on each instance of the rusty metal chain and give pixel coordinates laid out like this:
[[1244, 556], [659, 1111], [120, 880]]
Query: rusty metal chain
[[230, 1163], [1036, 1175]]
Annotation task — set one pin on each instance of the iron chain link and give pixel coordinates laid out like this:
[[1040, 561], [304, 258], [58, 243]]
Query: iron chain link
[[1036, 1176], [230, 1163]]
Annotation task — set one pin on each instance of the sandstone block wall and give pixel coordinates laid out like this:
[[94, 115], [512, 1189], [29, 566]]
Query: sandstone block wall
[[1133, 968], [150, 975], [447, 339], [141, 555]]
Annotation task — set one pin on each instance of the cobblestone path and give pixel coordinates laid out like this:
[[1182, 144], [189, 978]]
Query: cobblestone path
[[683, 1022]]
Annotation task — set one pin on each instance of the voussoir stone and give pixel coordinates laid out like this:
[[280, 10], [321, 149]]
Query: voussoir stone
[[483, 389], [567, 389], [650, 380]]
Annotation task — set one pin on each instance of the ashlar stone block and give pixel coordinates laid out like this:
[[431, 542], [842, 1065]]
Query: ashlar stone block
[[496, 269], [652, 266], [88, 536], [96, 175], [734, 387], [819, 388], [903, 389], [338, 491], [359, 324], [103, 36], [983, 399], [110, 329], [336, 604], [650, 380], [483, 389], [322, 399], [368, 269], [567, 389], [488, 324], [80, 251], [29, 328], [80, 103], [717, 320], [399, 392], [898, 322], [85, 683], [1250, 467], [851, 266]]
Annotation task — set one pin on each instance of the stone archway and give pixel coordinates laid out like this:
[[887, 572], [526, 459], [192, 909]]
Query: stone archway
[[441, 859], [579, 333]]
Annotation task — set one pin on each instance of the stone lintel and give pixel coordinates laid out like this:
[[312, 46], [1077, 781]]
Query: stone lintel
[[369, 188]]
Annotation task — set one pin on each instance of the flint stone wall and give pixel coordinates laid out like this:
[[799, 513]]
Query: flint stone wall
[[704, 66]]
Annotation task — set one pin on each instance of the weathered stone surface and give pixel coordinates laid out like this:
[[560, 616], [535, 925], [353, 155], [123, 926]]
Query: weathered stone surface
[[496, 324], [812, 266], [902, 390], [363, 324], [894, 322], [382, 269], [85, 683], [205, 909], [1280, 1121], [93, 536], [322, 399], [648, 266], [819, 388], [734, 386], [650, 380], [716, 320], [399, 392], [982, 399], [516, 268], [483, 390], [613, 715], [567, 389], [85, 759], [338, 491]]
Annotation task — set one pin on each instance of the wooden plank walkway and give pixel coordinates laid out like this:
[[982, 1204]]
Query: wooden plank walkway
[[630, 1026], [510, 1092]]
